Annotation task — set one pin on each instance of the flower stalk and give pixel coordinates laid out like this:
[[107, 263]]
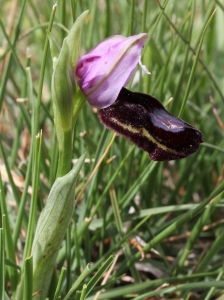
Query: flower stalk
[[65, 153], [55, 218]]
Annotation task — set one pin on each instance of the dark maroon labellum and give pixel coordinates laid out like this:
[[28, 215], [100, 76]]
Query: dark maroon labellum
[[144, 121]]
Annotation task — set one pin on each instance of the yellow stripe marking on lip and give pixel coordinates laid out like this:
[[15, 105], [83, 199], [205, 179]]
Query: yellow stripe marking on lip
[[144, 132]]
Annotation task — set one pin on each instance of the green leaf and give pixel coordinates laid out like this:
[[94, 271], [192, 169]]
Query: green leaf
[[83, 294], [190, 81], [82, 276], [28, 282], [74, 38], [63, 87], [8, 243], [2, 265], [54, 47], [51, 228], [59, 285], [93, 281]]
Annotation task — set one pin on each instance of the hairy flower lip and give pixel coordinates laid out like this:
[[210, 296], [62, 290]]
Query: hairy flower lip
[[121, 56], [144, 121]]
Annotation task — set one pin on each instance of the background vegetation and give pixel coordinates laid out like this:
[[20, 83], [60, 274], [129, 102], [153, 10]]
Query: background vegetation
[[162, 221]]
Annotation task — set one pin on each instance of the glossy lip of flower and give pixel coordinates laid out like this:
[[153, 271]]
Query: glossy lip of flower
[[104, 70]]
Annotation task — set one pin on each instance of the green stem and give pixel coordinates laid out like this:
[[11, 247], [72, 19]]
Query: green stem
[[66, 138], [65, 154], [79, 102]]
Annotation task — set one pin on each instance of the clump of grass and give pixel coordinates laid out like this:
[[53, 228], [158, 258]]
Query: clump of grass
[[162, 222]]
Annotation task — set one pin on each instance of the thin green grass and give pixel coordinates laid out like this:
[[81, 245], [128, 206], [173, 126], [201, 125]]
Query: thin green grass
[[174, 210]]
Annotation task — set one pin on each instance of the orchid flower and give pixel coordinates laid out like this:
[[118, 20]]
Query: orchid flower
[[102, 74], [103, 71]]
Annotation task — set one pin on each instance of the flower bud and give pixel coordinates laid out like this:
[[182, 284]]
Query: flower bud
[[103, 71]]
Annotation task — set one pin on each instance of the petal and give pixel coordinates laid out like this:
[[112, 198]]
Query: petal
[[103, 71], [86, 65], [105, 44]]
